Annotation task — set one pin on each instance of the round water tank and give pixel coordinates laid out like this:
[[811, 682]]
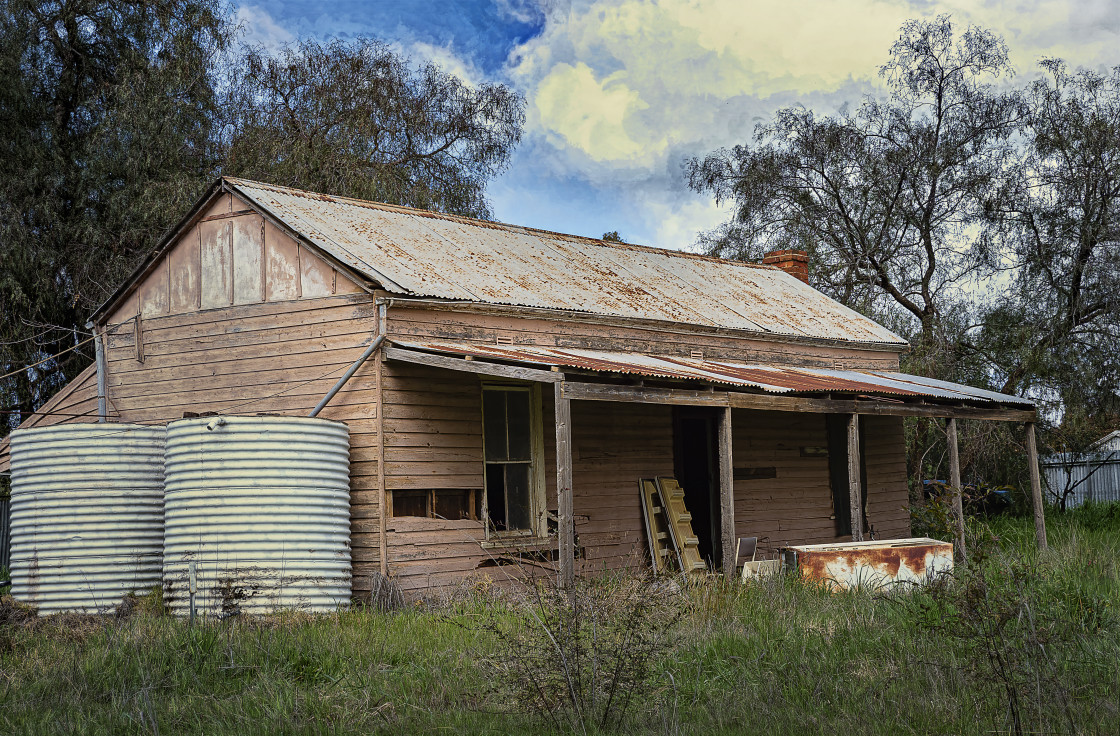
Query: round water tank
[[87, 514], [261, 506]]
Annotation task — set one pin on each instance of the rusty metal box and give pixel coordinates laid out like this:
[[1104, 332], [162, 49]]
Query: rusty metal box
[[873, 564]]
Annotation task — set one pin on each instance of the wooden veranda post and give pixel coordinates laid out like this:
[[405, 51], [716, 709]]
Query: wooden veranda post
[[855, 485], [1036, 488], [955, 483], [726, 493], [565, 506]]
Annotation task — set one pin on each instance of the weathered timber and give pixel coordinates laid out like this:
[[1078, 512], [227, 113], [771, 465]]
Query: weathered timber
[[415, 321], [566, 526], [1036, 488], [738, 400], [726, 492], [955, 485], [855, 486], [473, 366]]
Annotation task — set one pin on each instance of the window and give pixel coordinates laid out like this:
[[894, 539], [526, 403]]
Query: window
[[511, 446], [439, 503]]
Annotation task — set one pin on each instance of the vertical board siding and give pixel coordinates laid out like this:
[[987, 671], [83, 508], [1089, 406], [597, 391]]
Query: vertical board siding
[[217, 266], [248, 259], [185, 264], [236, 259]]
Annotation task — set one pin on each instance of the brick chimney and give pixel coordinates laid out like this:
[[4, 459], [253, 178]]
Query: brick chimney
[[793, 262]]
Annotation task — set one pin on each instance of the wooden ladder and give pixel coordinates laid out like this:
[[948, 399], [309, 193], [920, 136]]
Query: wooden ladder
[[662, 546], [680, 524]]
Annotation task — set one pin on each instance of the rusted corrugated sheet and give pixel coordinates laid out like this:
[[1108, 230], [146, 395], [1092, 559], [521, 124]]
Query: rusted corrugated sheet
[[428, 254], [770, 378]]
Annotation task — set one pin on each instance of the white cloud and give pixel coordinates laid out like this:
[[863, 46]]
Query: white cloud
[[446, 59], [259, 28], [621, 91], [589, 114]]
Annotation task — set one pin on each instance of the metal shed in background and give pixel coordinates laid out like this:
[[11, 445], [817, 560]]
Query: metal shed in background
[[1083, 477]]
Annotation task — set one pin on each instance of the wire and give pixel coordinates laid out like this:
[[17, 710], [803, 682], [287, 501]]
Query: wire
[[289, 388], [47, 360], [36, 412]]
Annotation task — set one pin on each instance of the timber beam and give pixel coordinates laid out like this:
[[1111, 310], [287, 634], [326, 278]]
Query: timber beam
[[473, 366], [766, 402]]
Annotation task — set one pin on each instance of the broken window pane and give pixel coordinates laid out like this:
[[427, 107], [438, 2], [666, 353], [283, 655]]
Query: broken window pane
[[518, 507], [519, 423]]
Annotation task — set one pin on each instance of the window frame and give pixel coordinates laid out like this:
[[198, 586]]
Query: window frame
[[538, 508]]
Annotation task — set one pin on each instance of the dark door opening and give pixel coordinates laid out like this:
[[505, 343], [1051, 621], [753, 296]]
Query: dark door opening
[[695, 432], [837, 427]]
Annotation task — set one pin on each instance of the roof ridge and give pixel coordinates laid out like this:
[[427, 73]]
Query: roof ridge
[[403, 209]]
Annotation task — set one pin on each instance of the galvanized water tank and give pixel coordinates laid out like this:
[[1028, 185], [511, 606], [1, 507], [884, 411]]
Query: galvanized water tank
[[87, 514], [261, 505]]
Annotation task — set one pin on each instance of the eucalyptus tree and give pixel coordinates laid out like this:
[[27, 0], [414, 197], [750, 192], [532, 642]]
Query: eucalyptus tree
[[357, 119], [1057, 330], [883, 196], [106, 109]]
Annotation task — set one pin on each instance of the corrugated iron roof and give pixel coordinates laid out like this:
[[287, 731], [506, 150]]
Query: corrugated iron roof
[[429, 254], [777, 379]]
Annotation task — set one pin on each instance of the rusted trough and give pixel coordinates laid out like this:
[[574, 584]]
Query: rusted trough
[[875, 564]]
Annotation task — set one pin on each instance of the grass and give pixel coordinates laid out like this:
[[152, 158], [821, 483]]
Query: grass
[[780, 656]]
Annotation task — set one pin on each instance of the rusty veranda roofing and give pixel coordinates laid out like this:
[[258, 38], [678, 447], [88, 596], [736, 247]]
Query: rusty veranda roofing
[[427, 254], [776, 379]]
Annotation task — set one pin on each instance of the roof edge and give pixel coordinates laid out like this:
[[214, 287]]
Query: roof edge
[[237, 181]]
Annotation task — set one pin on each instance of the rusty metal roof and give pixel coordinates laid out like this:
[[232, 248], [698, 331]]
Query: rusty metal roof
[[777, 379], [419, 253]]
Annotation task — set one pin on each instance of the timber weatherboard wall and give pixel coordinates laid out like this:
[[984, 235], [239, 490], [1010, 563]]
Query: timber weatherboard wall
[[76, 403], [440, 444], [467, 323], [238, 317], [278, 358]]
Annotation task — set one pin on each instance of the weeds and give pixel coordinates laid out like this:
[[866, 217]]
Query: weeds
[[778, 656], [582, 658]]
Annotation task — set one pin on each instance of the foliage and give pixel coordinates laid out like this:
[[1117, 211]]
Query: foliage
[[116, 115], [582, 660], [1059, 217], [107, 110], [777, 656], [980, 222], [354, 119], [878, 196]]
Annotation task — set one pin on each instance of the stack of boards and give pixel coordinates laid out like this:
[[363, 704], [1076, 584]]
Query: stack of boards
[[672, 545]]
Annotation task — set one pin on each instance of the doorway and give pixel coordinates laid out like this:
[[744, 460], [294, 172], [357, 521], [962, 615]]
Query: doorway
[[696, 466]]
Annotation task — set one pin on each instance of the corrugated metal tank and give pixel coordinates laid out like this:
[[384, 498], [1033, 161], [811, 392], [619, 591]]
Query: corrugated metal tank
[[261, 505], [87, 514]]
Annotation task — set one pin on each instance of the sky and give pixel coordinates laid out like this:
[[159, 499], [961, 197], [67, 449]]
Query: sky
[[619, 93]]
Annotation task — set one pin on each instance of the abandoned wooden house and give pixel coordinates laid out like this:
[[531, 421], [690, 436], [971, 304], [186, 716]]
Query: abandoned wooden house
[[521, 382]]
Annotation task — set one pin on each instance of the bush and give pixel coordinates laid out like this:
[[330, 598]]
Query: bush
[[582, 659]]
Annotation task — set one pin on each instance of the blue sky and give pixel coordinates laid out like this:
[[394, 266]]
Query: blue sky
[[620, 92]]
